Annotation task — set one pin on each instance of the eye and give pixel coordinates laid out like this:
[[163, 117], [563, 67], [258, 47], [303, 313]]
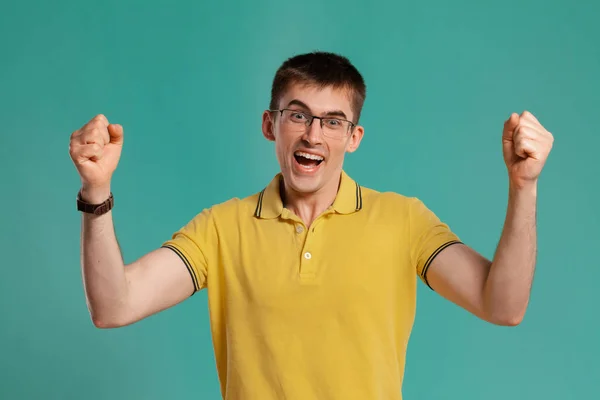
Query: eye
[[298, 116], [333, 123]]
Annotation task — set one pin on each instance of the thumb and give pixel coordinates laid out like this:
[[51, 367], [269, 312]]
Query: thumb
[[509, 126], [116, 133]]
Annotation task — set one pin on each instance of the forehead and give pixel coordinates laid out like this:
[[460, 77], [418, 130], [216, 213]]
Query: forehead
[[320, 100]]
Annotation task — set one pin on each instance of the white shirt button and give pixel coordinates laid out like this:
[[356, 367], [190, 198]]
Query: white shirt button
[[299, 229], [307, 255]]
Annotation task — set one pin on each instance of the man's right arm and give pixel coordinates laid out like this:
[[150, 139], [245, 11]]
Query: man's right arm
[[118, 294]]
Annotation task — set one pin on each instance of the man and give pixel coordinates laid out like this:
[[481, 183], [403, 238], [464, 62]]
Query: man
[[311, 281]]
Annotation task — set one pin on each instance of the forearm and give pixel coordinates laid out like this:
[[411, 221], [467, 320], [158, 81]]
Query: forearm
[[508, 286], [103, 270]]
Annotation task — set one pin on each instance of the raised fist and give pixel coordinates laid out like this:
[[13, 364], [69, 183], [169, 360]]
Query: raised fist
[[95, 150], [526, 145]]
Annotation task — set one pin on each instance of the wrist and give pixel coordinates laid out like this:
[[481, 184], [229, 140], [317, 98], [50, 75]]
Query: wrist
[[96, 194], [528, 188]]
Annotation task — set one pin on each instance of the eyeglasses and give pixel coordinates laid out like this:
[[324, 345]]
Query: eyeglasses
[[298, 121]]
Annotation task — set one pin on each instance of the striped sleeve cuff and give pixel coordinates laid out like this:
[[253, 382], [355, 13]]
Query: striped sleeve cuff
[[187, 263], [432, 257]]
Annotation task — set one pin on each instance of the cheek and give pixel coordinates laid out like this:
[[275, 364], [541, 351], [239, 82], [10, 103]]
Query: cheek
[[337, 149], [279, 152], [282, 148]]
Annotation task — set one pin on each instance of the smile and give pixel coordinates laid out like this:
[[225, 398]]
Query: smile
[[307, 162]]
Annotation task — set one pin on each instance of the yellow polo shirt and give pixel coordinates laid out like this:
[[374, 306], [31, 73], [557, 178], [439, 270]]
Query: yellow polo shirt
[[319, 313]]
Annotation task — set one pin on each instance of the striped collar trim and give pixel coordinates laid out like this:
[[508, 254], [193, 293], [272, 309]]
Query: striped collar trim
[[348, 200]]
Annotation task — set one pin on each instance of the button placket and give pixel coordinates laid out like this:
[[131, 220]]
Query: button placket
[[308, 261]]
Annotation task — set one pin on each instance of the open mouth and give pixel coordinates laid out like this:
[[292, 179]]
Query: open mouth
[[308, 160]]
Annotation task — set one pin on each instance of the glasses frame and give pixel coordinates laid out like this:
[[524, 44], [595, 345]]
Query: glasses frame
[[311, 118]]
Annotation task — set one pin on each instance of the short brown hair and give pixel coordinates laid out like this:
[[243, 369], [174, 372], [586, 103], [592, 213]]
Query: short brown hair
[[321, 69]]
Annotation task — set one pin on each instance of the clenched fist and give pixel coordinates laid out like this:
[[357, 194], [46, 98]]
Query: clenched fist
[[95, 150], [526, 145]]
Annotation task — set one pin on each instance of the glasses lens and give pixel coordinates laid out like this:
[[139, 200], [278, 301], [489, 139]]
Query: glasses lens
[[295, 119], [298, 121], [334, 127]]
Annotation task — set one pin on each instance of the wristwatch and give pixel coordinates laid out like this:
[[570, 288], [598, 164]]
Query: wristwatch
[[96, 209]]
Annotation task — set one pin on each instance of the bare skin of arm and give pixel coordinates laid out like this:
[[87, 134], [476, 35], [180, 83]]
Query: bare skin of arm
[[498, 291], [118, 294]]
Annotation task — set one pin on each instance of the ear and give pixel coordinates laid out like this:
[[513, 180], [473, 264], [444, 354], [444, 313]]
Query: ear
[[355, 139], [268, 126]]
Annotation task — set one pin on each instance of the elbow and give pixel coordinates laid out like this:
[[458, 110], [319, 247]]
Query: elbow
[[107, 316], [105, 323], [108, 321], [509, 320], [504, 313]]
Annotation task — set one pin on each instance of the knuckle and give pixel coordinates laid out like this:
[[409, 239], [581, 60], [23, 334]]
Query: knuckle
[[518, 131], [525, 131], [98, 121], [92, 135], [97, 131], [85, 137]]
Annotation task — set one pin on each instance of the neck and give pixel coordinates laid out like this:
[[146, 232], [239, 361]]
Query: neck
[[308, 206]]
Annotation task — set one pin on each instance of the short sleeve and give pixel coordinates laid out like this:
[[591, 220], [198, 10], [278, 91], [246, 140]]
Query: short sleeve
[[428, 237], [194, 243]]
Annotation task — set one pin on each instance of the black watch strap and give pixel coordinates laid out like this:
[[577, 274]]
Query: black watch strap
[[96, 209]]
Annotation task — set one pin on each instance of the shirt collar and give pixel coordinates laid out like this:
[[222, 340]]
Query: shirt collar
[[348, 199]]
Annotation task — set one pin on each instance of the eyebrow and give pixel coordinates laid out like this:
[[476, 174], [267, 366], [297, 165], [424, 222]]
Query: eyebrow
[[332, 113]]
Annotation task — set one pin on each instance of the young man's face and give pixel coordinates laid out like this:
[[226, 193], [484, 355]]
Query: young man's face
[[311, 157]]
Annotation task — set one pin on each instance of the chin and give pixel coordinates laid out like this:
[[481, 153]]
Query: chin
[[305, 186], [302, 180]]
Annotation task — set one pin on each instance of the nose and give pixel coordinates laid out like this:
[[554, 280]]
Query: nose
[[314, 134]]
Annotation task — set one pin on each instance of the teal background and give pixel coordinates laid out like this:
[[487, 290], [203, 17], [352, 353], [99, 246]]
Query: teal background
[[189, 80]]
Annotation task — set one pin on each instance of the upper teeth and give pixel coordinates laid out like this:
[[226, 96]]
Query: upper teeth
[[309, 156]]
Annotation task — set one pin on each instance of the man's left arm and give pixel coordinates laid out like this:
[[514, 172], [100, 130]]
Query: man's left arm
[[498, 291]]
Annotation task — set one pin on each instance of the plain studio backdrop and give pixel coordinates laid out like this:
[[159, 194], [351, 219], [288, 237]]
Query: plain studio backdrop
[[188, 81]]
